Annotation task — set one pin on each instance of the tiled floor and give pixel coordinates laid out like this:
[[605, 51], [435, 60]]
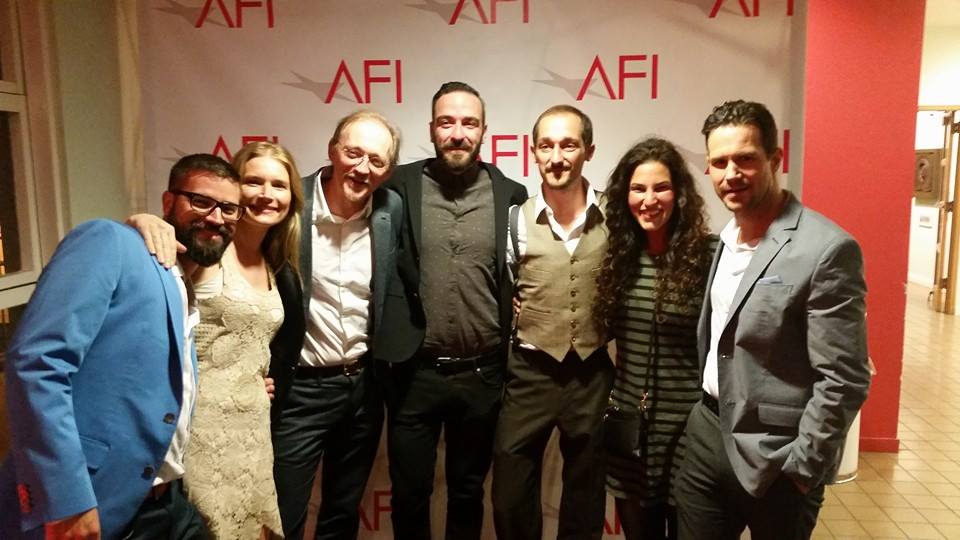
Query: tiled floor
[[916, 493]]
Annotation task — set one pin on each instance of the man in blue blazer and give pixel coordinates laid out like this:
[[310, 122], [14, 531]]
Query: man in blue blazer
[[783, 349], [100, 374], [328, 406]]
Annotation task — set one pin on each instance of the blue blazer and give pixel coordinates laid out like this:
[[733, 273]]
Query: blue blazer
[[93, 382]]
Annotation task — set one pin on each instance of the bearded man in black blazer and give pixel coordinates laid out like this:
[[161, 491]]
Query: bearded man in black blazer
[[447, 323]]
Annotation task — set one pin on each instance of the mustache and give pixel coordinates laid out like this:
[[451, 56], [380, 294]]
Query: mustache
[[222, 230], [462, 144]]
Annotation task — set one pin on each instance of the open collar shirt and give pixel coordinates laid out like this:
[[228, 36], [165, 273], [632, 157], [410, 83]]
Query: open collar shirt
[[341, 273]]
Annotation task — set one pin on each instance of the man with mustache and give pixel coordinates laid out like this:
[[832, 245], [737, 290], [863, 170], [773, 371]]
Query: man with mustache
[[327, 405], [559, 371], [450, 323], [101, 374]]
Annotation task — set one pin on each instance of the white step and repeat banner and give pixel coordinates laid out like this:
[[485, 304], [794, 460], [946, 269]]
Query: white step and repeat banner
[[218, 73]]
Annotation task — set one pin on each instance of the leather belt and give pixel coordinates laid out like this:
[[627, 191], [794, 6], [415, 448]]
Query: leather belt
[[711, 403], [325, 372], [451, 365]]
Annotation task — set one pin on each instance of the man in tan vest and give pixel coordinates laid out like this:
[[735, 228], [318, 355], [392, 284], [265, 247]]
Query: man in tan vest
[[559, 373]]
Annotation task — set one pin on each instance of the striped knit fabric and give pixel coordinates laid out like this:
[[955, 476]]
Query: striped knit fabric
[[673, 386]]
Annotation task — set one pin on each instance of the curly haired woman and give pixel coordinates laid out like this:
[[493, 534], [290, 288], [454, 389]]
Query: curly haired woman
[[650, 290]]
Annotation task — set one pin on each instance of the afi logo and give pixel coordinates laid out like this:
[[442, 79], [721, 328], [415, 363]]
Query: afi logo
[[596, 68], [343, 72], [745, 10], [493, 10], [506, 146], [221, 149], [239, 6], [381, 506]]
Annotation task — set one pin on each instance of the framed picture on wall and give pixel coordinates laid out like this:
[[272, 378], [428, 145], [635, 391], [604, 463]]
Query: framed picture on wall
[[926, 176]]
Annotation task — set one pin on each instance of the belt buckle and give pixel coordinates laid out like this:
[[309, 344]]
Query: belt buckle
[[441, 364], [351, 369]]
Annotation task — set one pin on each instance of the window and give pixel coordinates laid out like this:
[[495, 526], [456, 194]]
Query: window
[[21, 225]]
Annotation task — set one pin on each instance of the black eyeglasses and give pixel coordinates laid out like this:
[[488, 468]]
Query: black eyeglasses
[[205, 205]]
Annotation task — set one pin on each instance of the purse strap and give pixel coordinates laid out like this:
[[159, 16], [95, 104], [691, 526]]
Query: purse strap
[[653, 355]]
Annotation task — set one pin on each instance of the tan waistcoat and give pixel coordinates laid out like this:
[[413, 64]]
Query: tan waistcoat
[[557, 289]]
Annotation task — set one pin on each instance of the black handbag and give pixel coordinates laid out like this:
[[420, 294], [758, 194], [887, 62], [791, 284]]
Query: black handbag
[[625, 426]]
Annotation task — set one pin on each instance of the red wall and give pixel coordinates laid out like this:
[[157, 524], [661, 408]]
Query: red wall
[[861, 86]]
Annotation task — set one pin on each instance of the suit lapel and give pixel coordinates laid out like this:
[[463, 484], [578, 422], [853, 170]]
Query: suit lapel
[[413, 195], [501, 206], [306, 238], [175, 310], [778, 235], [380, 226], [703, 334]]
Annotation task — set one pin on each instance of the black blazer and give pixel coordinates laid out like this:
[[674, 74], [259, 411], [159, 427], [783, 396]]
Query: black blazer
[[403, 315], [286, 344]]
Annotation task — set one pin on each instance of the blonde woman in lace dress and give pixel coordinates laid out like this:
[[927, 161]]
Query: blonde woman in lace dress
[[229, 460]]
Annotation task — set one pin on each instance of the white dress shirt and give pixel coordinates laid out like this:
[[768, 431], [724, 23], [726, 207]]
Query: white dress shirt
[[570, 238], [172, 467], [734, 259], [341, 272]]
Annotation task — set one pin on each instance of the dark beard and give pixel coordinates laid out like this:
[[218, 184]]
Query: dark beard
[[457, 167], [197, 251]]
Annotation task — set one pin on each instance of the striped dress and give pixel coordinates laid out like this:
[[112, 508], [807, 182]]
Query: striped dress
[[673, 387]]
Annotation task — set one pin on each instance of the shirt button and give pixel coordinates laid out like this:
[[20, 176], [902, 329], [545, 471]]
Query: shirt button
[[573, 308], [573, 292], [148, 472], [169, 418], [573, 277], [573, 260], [573, 339]]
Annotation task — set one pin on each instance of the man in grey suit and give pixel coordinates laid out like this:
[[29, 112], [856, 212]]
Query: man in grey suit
[[331, 408], [783, 349]]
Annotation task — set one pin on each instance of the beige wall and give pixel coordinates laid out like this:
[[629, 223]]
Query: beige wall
[[86, 48]]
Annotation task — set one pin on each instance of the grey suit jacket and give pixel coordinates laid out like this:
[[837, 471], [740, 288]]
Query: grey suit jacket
[[792, 356], [386, 219]]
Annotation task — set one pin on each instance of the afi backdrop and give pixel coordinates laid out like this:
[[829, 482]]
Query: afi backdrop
[[218, 73]]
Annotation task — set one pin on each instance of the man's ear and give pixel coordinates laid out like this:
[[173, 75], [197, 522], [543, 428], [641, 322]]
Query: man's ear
[[168, 201], [776, 159], [590, 150]]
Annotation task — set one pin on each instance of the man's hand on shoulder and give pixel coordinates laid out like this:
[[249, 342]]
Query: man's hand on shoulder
[[159, 237], [83, 526]]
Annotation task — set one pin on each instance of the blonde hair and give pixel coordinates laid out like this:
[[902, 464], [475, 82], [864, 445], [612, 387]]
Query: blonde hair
[[282, 243]]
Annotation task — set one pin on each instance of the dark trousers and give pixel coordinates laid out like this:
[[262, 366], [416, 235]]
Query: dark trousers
[[712, 504], [543, 394], [337, 419], [465, 405], [653, 522], [169, 516]]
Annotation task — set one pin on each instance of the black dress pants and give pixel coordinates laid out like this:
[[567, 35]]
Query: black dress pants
[[543, 394], [464, 402], [169, 517], [337, 419], [712, 505]]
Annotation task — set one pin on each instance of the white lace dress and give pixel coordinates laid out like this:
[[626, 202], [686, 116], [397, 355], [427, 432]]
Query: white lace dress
[[229, 459]]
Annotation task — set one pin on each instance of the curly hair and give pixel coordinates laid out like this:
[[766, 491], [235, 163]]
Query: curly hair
[[682, 270]]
